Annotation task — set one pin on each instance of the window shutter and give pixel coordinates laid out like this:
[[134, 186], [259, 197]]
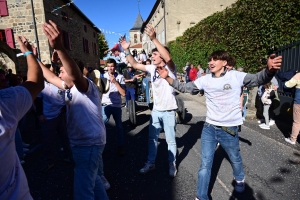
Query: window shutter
[[3, 8], [9, 38]]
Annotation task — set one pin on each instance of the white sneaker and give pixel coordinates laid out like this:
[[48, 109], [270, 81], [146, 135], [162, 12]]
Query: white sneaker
[[261, 121], [272, 122], [105, 182], [289, 141], [264, 126]]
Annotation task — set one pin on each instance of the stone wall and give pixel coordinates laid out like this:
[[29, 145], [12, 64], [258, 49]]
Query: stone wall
[[176, 16], [76, 28], [21, 21]]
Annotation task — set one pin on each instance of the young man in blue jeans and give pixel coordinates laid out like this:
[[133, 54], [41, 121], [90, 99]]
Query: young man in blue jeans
[[222, 90], [85, 126], [164, 108]]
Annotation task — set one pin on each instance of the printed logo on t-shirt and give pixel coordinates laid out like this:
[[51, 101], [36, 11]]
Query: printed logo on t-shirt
[[227, 87]]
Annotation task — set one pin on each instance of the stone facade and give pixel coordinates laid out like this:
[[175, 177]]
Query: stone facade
[[78, 30], [172, 17]]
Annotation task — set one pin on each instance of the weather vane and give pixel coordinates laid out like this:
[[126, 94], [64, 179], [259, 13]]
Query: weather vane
[[139, 5]]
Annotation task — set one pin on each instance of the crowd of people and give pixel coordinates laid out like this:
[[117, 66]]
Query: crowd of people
[[66, 101]]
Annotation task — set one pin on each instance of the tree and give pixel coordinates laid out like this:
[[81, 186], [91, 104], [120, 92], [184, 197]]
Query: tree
[[103, 46]]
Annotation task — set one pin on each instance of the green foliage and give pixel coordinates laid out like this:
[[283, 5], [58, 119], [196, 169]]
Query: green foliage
[[248, 30], [103, 46]]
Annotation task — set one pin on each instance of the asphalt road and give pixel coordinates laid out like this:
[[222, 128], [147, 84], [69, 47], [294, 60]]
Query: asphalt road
[[271, 166]]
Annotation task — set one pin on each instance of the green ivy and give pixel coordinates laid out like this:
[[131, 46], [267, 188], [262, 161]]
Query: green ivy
[[248, 30]]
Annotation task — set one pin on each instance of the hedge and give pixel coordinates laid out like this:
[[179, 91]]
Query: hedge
[[249, 30]]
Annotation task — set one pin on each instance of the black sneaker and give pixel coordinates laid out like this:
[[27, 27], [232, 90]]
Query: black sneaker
[[46, 168]]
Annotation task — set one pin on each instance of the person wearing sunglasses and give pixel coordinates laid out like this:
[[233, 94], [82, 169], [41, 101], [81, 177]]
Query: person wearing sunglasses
[[85, 126], [164, 108]]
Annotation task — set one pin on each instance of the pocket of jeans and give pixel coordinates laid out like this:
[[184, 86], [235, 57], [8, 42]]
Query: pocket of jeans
[[171, 118]]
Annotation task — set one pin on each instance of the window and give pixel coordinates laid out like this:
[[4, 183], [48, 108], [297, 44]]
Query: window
[[85, 44], [67, 40], [84, 28], [64, 16], [94, 34], [7, 37], [2, 36], [141, 38], [3, 8], [135, 38]]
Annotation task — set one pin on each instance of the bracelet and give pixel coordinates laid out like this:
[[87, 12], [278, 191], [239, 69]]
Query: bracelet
[[38, 60], [126, 54], [27, 53]]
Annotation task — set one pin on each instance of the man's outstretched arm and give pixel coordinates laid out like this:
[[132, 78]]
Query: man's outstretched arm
[[189, 87], [150, 31]]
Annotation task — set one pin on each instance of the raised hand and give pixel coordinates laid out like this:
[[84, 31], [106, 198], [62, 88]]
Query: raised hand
[[124, 43], [24, 44], [150, 31], [53, 34], [163, 72], [274, 63]]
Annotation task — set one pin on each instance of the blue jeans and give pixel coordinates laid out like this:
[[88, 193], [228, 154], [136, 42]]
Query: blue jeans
[[211, 135], [50, 128], [159, 120], [130, 94], [87, 184], [116, 112]]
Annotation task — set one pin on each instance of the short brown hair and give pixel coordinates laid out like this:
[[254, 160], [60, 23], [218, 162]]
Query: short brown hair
[[219, 55]]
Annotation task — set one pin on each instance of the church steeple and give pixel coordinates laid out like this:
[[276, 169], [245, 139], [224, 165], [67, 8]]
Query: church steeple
[[138, 23]]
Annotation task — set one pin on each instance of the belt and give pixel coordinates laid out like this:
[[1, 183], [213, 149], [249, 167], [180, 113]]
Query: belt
[[226, 129]]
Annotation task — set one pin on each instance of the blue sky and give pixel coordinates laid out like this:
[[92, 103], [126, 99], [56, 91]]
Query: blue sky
[[114, 15]]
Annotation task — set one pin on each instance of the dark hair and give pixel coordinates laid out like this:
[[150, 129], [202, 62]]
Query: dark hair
[[231, 62], [148, 60], [219, 55], [111, 60], [155, 49]]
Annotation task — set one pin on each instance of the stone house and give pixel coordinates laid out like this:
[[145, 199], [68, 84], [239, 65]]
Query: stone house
[[172, 17], [79, 33]]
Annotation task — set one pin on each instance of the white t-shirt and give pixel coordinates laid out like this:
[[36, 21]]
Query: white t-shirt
[[142, 57], [14, 104], [84, 117], [222, 98], [53, 100], [122, 58], [163, 93], [113, 96]]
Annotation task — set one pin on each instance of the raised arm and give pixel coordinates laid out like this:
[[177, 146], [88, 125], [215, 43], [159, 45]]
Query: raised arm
[[55, 39], [129, 57], [266, 75], [35, 79], [150, 31]]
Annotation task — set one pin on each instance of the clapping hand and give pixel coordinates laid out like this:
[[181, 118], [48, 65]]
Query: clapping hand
[[54, 35], [150, 31], [24, 44]]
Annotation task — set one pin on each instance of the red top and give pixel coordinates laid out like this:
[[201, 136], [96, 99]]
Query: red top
[[193, 74]]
